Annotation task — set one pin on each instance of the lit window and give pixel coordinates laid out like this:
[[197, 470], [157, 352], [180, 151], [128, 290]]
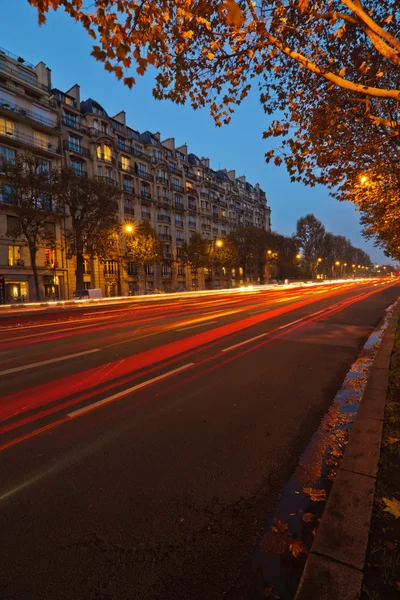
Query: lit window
[[107, 152], [98, 150], [125, 163], [14, 256], [6, 127], [40, 139]]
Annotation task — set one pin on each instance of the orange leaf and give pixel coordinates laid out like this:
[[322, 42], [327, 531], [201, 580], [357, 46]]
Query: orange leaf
[[234, 16], [315, 495], [297, 547], [279, 526], [308, 517]]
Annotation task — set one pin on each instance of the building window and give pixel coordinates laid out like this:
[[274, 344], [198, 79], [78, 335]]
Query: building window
[[125, 163], [74, 143], [164, 192], [50, 257], [178, 221], [181, 271], [141, 169], [41, 139], [132, 268], [77, 167], [6, 127], [43, 166], [7, 154], [14, 256], [12, 225], [107, 152], [120, 143], [109, 173], [110, 267], [149, 269], [99, 171], [70, 120], [128, 208], [104, 127], [127, 184]]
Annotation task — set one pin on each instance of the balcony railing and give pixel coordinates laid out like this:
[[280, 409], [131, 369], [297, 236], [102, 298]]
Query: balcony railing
[[165, 237], [129, 210], [27, 114], [73, 147], [140, 154], [166, 274], [162, 180], [206, 227], [179, 224], [168, 256], [126, 168], [180, 239], [145, 194], [164, 218], [143, 175], [106, 158], [106, 179], [192, 225], [174, 170], [128, 189], [146, 215], [223, 203], [177, 188], [191, 206], [23, 76], [31, 141], [179, 206]]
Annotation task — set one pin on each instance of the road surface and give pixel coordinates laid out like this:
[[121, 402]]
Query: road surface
[[143, 446]]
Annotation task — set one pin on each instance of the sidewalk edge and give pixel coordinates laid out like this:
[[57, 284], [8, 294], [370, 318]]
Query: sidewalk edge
[[334, 568]]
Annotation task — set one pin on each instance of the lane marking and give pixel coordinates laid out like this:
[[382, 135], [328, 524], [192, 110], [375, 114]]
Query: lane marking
[[297, 321], [198, 325], [260, 310], [130, 390], [245, 342], [47, 362]]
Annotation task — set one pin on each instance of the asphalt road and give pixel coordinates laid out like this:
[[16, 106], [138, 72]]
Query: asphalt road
[[143, 446]]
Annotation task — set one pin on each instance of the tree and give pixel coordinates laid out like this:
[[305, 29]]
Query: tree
[[25, 185], [310, 234], [91, 206], [195, 253], [286, 250], [250, 244], [144, 248]]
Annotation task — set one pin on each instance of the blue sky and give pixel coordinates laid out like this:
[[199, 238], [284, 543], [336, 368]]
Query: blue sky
[[65, 48]]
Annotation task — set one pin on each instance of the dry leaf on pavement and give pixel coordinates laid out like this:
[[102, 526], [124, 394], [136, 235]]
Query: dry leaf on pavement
[[308, 517], [315, 495], [296, 547], [392, 440], [279, 526], [392, 506]]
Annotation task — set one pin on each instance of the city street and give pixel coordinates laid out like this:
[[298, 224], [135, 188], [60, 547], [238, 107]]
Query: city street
[[143, 445]]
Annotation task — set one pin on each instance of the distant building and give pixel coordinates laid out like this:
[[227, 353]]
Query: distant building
[[175, 190]]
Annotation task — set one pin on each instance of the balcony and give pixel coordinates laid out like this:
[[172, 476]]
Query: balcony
[[146, 215], [192, 206], [143, 175], [192, 225], [20, 139], [21, 114], [180, 239], [168, 256], [223, 203], [204, 195], [106, 158], [165, 237], [126, 168], [179, 224], [128, 189], [177, 188], [164, 218], [206, 227], [145, 195], [77, 148], [140, 154], [205, 210], [174, 170], [108, 180], [80, 172], [162, 180], [27, 78], [129, 210], [166, 274], [122, 146], [74, 124], [179, 206]]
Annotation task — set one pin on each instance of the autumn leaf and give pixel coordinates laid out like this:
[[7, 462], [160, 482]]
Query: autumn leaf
[[187, 35], [210, 56], [297, 547], [234, 16], [302, 5], [392, 506], [279, 526], [392, 440], [315, 495]]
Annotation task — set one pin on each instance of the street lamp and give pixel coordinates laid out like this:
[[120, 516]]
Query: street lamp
[[219, 243], [298, 256], [364, 179]]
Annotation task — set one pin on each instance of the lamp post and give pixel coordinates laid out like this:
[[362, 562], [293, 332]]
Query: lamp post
[[127, 228]]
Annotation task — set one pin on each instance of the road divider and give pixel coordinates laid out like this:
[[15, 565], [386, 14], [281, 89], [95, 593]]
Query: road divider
[[47, 362]]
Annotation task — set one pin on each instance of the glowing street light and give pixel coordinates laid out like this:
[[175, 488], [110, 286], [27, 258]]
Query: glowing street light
[[219, 243], [337, 263], [298, 256], [128, 228], [363, 179], [319, 260]]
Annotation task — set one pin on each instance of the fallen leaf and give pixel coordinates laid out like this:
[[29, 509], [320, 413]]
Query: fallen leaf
[[392, 506], [279, 526], [308, 517], [392, 440], [297, 547], [315, 495]]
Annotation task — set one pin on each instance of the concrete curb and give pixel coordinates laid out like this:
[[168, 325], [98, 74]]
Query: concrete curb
[[334, 568]]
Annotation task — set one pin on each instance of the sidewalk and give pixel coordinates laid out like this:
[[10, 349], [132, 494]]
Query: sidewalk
[[353, 557]]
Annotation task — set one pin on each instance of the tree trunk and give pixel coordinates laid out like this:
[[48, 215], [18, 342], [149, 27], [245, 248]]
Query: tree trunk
[[80, 269], [32, 253], [145, 278]]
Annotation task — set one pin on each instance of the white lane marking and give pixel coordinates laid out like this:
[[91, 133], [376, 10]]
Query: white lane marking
[[197, 325], [245, 342], [292, 323], [130, 390], [260, 310], [47, 362]]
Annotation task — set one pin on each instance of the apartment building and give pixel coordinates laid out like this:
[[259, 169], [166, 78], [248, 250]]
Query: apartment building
[[29, 121], [175, 190]]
